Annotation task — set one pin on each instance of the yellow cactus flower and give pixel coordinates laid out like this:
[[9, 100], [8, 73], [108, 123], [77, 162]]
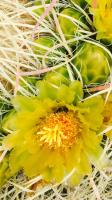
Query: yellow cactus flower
[[53, 133], [107, 113], [52, 138], [5, 172], [102, 18]]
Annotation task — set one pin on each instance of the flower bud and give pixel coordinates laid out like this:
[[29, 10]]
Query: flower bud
[[43, 45], [69, 28], [93, 64], [44, 42]]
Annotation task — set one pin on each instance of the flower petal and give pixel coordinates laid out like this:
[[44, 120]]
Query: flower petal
[[91, 110]]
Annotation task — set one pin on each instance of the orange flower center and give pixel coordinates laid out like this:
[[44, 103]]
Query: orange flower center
[[59, 130]]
